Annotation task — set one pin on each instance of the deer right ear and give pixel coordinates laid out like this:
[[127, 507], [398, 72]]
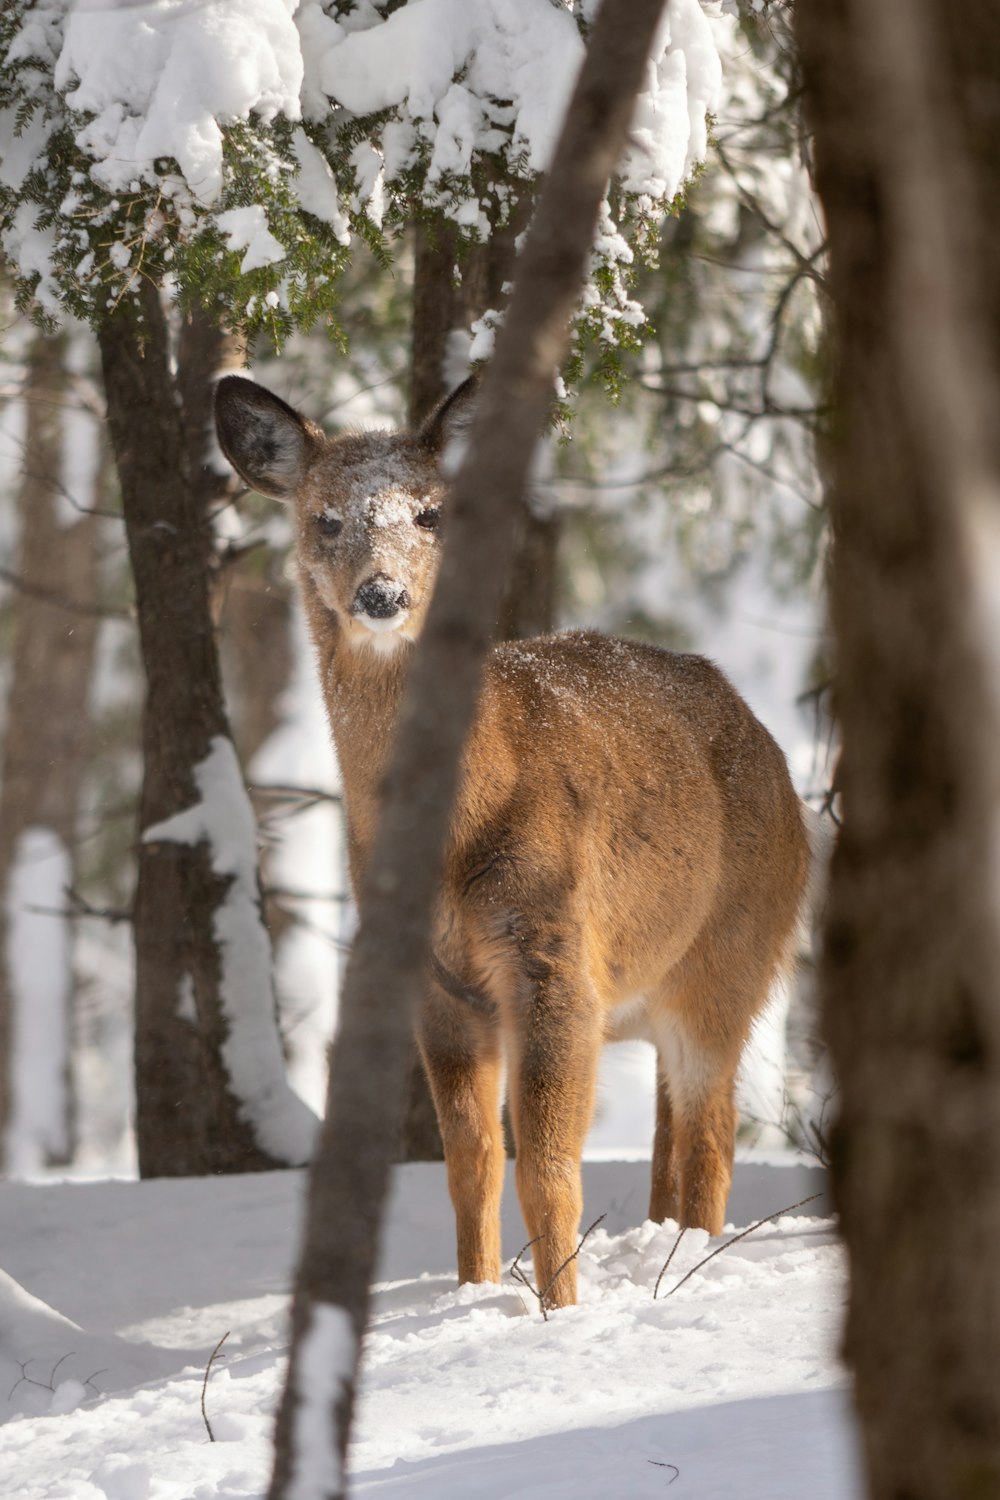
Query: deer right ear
[[266, 441], [452, 418]]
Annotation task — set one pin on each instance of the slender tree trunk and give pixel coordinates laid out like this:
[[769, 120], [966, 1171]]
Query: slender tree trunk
[[55, 621], [255, 626], [193, 1116], [360, 1135], [903, 97], [440, 308]]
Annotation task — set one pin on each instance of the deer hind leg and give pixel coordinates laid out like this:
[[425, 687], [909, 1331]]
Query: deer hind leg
[[553, 1071], [664, 1197], [461, 1056], [701, 1083]]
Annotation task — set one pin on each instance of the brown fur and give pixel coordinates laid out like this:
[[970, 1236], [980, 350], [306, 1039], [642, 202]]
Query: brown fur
[[624, 828]]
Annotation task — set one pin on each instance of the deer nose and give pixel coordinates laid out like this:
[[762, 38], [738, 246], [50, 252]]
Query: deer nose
[[380, 598]]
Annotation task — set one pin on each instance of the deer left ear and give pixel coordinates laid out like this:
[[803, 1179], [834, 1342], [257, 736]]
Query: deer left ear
[[451, 419]]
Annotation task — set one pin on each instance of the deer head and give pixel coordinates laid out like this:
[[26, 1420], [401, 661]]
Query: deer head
[[368, 506]]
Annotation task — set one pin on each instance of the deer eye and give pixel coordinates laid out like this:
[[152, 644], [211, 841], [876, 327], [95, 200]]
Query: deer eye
[[328, 525], [428, 518]]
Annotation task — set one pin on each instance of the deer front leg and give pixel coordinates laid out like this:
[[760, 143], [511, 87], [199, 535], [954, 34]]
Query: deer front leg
[[461, 1056], [553, 1067]]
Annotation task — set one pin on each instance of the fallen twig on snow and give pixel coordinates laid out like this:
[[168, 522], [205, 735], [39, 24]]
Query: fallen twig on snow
[[204, 1383]]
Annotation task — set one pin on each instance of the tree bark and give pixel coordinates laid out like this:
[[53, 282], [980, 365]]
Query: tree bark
[[190, 1118], [528, 605], [903, 98], [45, 742], [359, 1137]]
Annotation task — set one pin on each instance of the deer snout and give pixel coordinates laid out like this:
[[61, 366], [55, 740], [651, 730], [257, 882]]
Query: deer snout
[[380, 598]]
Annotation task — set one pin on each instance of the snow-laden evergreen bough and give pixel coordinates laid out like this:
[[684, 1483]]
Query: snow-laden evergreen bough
[[245, 147]]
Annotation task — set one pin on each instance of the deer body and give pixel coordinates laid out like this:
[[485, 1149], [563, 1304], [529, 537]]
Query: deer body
[[627, 854]]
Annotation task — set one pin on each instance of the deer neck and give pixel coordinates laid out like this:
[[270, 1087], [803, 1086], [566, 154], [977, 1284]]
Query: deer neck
[[363, 689]]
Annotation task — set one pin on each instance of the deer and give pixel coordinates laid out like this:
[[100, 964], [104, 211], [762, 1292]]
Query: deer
[[627, 856]]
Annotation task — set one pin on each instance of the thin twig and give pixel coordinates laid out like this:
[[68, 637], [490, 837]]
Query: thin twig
[[283, 792], [666, 1264], [661, 1465], [543, 1297], [519, 1275], [742, 1236], [204, 1383], [516, 1272], [79, 907], [59, 601]]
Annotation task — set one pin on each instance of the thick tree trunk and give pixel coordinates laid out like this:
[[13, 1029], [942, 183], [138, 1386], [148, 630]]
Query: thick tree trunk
[[903, 98], [440, 307], [55, 621], [191, 1119], [359, 1139]]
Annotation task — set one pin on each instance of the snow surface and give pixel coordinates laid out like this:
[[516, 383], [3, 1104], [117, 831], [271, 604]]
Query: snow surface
[[733, 1381]]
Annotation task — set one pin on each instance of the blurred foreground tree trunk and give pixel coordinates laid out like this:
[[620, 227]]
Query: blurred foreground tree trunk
[[210, 1088], [360, 1135], [443, 310], [904, 97], [55, 621]]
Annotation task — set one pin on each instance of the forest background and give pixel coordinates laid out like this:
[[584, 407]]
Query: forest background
[[678, 500]]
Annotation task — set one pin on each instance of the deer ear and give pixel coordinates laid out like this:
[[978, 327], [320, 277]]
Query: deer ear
[[266, 441], [452, 418]]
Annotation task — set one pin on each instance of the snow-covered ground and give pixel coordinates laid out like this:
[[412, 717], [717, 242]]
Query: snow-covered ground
[[115, 1293]]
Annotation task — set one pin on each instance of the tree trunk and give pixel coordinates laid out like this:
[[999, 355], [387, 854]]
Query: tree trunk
[[903, 97], [194, 1114], [440, 307], [55, 621], [359, 1138]]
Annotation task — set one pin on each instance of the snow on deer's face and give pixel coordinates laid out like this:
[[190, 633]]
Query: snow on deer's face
[[368, 519], [367, 505]]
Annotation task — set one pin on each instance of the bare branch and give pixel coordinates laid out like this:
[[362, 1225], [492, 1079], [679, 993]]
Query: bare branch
[[59, 601]]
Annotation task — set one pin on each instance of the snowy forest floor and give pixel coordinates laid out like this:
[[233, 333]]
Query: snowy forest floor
[[113, 1295]]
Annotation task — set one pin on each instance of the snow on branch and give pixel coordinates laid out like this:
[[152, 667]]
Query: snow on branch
[[222, 818], [243, 146]]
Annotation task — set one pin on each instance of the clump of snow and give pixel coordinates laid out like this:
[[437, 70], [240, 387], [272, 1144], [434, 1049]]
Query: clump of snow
[[223, 819], [317, 187], [159, 78], [517, 62], [246, 229]]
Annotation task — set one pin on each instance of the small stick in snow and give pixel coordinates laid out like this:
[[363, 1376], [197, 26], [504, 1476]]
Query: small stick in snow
[[666, 1265], [204, 1383], [659, 1462], [519, 1275], [741, 1236]]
